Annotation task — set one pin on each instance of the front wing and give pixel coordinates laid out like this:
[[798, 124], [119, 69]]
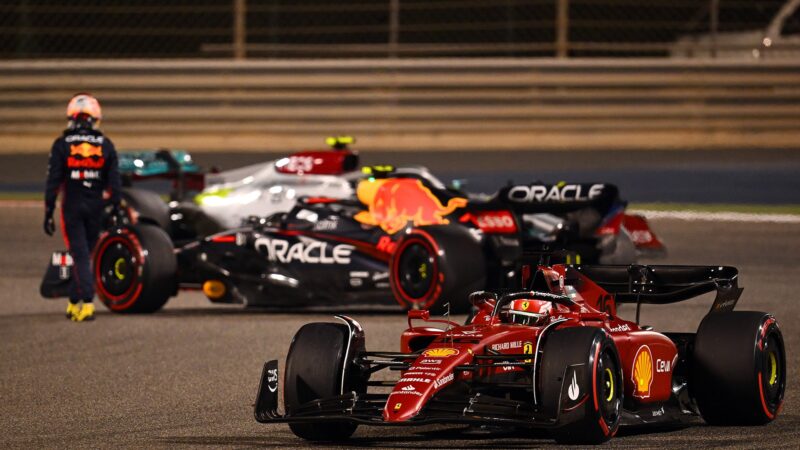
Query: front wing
[[478, 409], [368, 408]]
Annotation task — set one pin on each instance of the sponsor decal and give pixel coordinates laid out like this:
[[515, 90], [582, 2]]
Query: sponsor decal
[[549, 295], [527, 349], [86, 150], [492, 221], [659, 412], [407, 390], [379, 276], [642, 373], [663, 366], [641, 236], [442, 352], [356, 282], [359, 274], [573, 391], [314, 252], [397, 406], [561, 192], [61, 259], [386, 245], [431, 361], [507, 345], [84, 138], [620, 328], [327, 224], [272, 380], [85, 163], [298, 164], [393, 203], [85, 174], [725, 304], [414, 380], [420, 372], [444, 380]]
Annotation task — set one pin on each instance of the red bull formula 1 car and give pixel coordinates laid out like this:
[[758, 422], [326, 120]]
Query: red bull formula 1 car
[[556, 357], [405, 240]]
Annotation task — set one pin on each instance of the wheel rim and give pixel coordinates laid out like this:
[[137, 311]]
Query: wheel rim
[[117, 268], [773, 371], [608, 388], [416, 271]]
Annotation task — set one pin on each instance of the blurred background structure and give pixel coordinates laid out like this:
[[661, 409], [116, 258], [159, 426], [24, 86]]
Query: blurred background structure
[[407, 74]]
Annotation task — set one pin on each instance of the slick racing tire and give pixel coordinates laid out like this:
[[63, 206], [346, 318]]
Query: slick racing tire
[[738, 371], [146, 206], [581, 383], [437, 265], [135, 269], [319, 365]]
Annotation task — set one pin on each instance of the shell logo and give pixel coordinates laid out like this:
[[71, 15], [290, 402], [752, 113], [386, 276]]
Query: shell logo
[[642, 372], [439, 352]]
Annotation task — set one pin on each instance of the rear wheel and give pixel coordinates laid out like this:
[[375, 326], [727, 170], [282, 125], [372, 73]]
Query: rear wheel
[[437, 265], [319, 365], [738, 368], [134, 269]]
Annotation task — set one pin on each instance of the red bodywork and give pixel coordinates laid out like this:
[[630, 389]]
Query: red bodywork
[[318, 162], [647, 357]]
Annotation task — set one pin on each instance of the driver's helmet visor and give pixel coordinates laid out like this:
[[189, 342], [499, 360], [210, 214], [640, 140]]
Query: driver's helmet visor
[[527, 318]]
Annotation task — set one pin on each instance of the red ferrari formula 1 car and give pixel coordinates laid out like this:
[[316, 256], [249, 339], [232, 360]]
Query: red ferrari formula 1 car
[[554, 356]]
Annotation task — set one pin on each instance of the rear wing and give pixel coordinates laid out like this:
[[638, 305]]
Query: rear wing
[[663, 284]]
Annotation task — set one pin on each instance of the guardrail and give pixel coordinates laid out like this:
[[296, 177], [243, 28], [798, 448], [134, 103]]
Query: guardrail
[[449, 104]]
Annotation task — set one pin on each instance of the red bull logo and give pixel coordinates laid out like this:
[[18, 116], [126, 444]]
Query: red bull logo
[[85, 149], [393, 203]]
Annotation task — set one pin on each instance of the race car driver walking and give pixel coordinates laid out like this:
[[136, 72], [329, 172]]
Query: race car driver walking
[[83, 165]]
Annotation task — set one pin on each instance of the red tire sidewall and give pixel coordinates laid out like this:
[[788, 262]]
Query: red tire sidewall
[[435, 291], [127, 299]]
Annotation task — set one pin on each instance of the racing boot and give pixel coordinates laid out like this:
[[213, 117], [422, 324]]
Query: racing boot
[[86, 313], [72, 310]]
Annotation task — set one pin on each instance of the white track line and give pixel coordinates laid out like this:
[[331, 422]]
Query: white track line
[[719, 216]]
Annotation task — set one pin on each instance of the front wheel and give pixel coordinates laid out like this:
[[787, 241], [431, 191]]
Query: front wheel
[[320, 365], [581, 383], [135, 268]]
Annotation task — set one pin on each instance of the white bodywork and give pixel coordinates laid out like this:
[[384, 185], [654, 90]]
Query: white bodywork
[[260, 190]]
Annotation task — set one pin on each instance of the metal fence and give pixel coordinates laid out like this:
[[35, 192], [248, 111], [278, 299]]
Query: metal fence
[[397, 28]]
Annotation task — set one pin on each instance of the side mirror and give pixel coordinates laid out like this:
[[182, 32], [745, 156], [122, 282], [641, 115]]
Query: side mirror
[[481, 297], [421, 314]]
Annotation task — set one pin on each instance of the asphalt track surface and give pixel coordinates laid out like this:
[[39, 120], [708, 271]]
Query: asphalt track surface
[[703, 176], [187, 376]]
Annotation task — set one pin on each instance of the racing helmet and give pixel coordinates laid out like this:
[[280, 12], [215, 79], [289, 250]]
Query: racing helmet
[[530, 312], [83, 109]]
